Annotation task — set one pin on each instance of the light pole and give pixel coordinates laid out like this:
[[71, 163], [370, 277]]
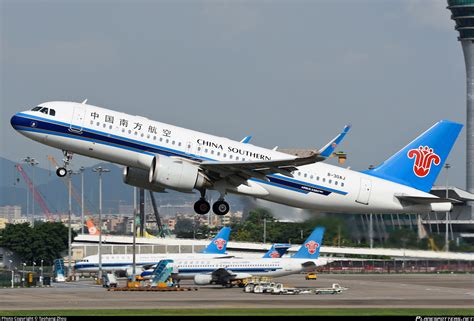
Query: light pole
[[100, 170], [32, 162], [13, 273], [264, 230], [81, 170], [41, 278], [23, 277], [446, 238], [69, 230], [134, 227]]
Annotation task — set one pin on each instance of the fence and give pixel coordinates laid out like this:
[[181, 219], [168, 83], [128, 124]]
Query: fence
[[398, 266]]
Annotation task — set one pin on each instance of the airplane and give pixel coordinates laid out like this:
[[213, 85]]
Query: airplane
[[159, 156], [225, 271], [123, 262], [277, 250]]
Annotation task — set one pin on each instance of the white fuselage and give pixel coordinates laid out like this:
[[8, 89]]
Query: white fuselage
[[188, 269], [133, 141], [123, 262]]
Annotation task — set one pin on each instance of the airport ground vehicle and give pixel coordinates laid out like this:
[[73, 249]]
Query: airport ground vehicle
[[109, 280], [311, 276], [336, 288]]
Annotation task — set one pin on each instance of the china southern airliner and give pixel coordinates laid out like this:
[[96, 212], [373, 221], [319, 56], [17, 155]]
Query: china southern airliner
[[158, 156]]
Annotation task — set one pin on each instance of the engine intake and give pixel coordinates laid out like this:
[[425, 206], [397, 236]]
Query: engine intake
[[176, 174]]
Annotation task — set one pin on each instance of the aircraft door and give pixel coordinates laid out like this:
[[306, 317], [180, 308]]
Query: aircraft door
[[78, 118], [364, 191]]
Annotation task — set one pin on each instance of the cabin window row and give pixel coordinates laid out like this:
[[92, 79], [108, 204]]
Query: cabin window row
[[317, 178]]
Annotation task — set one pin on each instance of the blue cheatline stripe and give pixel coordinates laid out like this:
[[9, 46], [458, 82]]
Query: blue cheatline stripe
[[23, 123], [117, 265]]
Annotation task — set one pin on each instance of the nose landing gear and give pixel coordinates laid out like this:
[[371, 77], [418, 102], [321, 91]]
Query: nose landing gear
[[62, 171]]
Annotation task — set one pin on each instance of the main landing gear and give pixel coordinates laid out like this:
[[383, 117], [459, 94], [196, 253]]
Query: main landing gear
[[62, 171], [202, 206]]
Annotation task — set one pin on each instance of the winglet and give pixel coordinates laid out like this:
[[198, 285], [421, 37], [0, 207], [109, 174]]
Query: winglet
[[246, 139], [327, 150], [85, 101], [218, 244]]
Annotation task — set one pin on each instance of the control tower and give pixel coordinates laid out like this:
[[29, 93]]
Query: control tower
[[463, 14]]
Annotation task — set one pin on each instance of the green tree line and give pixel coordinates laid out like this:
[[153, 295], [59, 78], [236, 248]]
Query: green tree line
[[45, 241]]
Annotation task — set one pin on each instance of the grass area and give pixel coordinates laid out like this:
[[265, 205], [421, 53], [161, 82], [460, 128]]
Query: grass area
[[247, 312]]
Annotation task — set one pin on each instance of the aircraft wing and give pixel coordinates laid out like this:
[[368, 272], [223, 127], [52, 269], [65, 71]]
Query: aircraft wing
[[239, 172], [257, 169]]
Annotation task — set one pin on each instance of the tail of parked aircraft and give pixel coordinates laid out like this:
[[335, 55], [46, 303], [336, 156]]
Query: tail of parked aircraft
[[276, 251], [418, 164], [218, 244], [310, 248], [91, 227]]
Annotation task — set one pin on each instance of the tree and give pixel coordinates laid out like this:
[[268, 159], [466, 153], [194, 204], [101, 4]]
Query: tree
[[45, 241]]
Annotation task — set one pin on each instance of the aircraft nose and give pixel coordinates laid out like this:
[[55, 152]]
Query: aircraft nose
[[15, 121]]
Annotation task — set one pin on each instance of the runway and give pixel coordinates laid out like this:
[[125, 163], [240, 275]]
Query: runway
[[365, 291]]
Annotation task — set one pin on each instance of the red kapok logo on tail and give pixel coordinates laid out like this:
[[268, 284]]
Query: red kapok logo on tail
[[275, 255], [312, 246], [220, 243], [424, 157]]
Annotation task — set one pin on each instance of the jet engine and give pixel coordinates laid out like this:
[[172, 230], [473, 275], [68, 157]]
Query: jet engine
[[203, 279], [176, 174], [139, 178]]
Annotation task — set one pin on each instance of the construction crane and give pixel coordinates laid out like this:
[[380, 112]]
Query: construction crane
[[36, 194], [87, 214]]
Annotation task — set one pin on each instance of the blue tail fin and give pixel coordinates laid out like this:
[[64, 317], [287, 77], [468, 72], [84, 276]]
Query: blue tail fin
[[418, 164], [276, 251], [218, 244], [310, 248]]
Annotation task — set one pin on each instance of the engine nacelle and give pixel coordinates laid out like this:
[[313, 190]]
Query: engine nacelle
[[139, 178], [176, 174], [203, 279]]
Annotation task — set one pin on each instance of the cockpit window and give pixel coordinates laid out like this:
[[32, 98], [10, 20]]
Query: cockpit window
[[52, 112], [36, 108], [44, 110]]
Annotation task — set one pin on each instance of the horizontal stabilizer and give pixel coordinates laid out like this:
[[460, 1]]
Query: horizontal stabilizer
[[425, 200]]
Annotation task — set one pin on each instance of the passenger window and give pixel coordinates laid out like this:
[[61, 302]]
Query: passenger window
[[52, 112], [342, 184], [305, 175], [44, 110]]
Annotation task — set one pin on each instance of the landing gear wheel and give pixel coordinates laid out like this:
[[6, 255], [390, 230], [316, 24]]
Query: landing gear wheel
[[202, 207], [221, 208], [61, 172]]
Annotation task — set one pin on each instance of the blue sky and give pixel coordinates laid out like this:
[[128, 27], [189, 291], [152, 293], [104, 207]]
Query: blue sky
[[290, 73]]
